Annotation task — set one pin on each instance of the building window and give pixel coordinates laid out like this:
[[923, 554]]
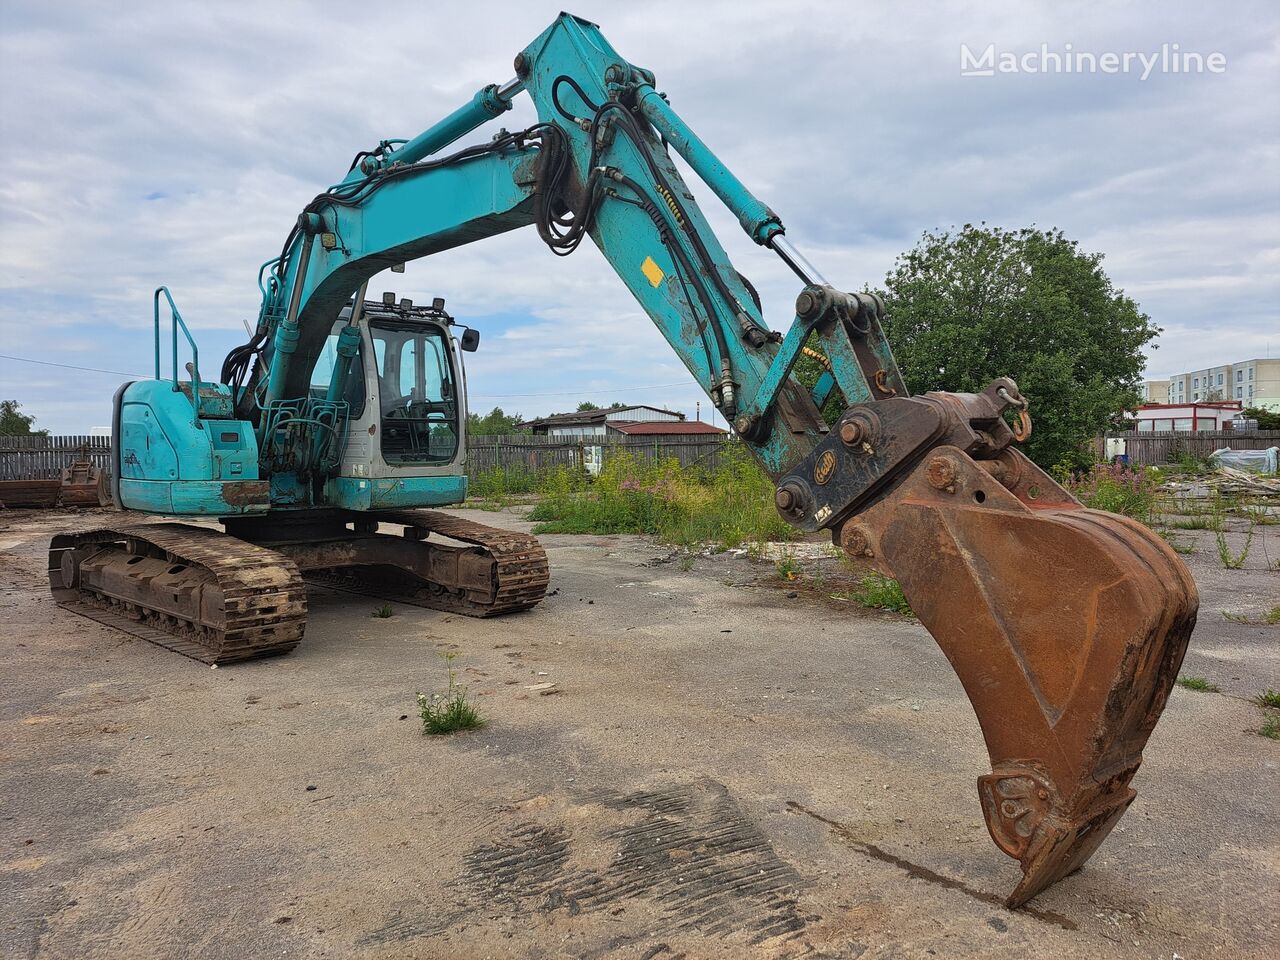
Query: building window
[[1219, 379], [1195, 396], [1251, 373], [1239, 392], [1239, 376], [1251, 391]]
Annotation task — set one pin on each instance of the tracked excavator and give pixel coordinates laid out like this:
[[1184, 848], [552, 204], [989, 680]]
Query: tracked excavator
[[330, 431]]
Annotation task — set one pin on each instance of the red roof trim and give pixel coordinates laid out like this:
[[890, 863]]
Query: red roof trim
[[664, 428], [1211, 404]]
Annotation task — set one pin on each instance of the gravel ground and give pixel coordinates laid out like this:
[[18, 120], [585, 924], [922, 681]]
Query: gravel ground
[[720, 769]]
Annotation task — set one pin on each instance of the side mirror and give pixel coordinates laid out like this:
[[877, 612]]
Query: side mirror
[[470, 341]]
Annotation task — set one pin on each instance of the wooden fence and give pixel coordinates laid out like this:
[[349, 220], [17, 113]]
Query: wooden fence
[[43, 458], [39, 458], [538, 453], [1167, 446]]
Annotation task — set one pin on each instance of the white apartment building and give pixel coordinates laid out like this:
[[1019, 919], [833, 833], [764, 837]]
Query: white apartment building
[[1155, 391], [1255, 383]]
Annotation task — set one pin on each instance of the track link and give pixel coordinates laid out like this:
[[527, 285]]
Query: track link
[[521, 572], [197, 591]]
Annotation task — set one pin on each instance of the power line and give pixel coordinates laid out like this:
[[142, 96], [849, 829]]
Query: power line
[[71, 366], [485, 396]]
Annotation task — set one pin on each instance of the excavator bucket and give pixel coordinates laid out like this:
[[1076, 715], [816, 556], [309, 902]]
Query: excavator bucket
[[1066, 626]]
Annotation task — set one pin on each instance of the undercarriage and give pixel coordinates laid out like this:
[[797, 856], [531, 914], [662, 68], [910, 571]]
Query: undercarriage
[[224, 597]]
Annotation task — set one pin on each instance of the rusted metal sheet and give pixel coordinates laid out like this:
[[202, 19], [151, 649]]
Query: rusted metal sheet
[[29, 493], [83, 485], [1066, 626], [247, 493]]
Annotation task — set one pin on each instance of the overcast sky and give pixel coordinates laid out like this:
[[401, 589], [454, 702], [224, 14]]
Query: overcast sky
[[148, 143]]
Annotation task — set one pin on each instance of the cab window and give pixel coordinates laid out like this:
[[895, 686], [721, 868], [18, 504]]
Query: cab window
[[322, 373], [417, 397]]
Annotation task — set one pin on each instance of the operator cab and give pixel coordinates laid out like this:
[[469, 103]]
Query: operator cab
[[406, 371]]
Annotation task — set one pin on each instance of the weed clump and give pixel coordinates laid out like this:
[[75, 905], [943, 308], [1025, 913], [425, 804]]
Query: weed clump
[[1198, 683], [498, 483], [382, 612], [883, 593], [1116, 488], [684, 506], [788, 567], [449, 711]]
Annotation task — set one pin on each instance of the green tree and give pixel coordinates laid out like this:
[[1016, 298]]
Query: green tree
[[495, 422], [968, 306], [1267, 420], [586, 406], [16, 424]]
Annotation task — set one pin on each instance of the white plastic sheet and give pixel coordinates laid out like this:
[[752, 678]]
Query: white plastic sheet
[[1255, 461]]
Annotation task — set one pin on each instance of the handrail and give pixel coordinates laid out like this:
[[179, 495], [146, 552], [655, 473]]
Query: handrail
[[175, 319]]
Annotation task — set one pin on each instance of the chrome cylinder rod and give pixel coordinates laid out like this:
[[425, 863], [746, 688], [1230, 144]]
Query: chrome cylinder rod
[[794, 259]]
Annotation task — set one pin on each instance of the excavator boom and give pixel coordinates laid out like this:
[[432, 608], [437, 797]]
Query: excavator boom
[[1066, 626]]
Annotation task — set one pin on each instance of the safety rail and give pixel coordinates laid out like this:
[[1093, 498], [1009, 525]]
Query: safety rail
[[175, 321]]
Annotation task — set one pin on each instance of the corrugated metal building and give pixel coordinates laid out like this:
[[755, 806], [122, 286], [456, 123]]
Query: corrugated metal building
[[631, 421]]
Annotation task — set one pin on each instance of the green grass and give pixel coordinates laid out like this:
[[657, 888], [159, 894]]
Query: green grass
[[1194, 523], [690, 506], [883, 593], [1270, 727], [1236, 617], [1190, 463], [449, 711], [496, 483], [443, 714], [1198, 683], [1272, 616], [1268, 698], [382, 612]]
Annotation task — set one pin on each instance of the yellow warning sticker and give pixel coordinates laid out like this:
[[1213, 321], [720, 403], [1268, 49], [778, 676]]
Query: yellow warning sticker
[[652, 271]]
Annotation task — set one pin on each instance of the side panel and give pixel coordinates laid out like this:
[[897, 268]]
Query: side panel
[[170, 463], [196, 497], [353, 493]]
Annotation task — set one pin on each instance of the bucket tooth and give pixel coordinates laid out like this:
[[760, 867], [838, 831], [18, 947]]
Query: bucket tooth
[[1066, 627]]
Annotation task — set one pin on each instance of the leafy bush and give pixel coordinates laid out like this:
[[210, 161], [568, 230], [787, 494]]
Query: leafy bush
[[690, 506]]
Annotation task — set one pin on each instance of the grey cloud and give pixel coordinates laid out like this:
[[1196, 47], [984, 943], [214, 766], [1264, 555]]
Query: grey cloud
[[162, 142]]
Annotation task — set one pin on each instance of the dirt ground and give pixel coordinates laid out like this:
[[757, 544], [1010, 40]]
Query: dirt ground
[[720, 770]]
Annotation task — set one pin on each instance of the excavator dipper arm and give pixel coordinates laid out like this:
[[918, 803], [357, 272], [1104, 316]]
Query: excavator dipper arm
[[1066, 626]]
